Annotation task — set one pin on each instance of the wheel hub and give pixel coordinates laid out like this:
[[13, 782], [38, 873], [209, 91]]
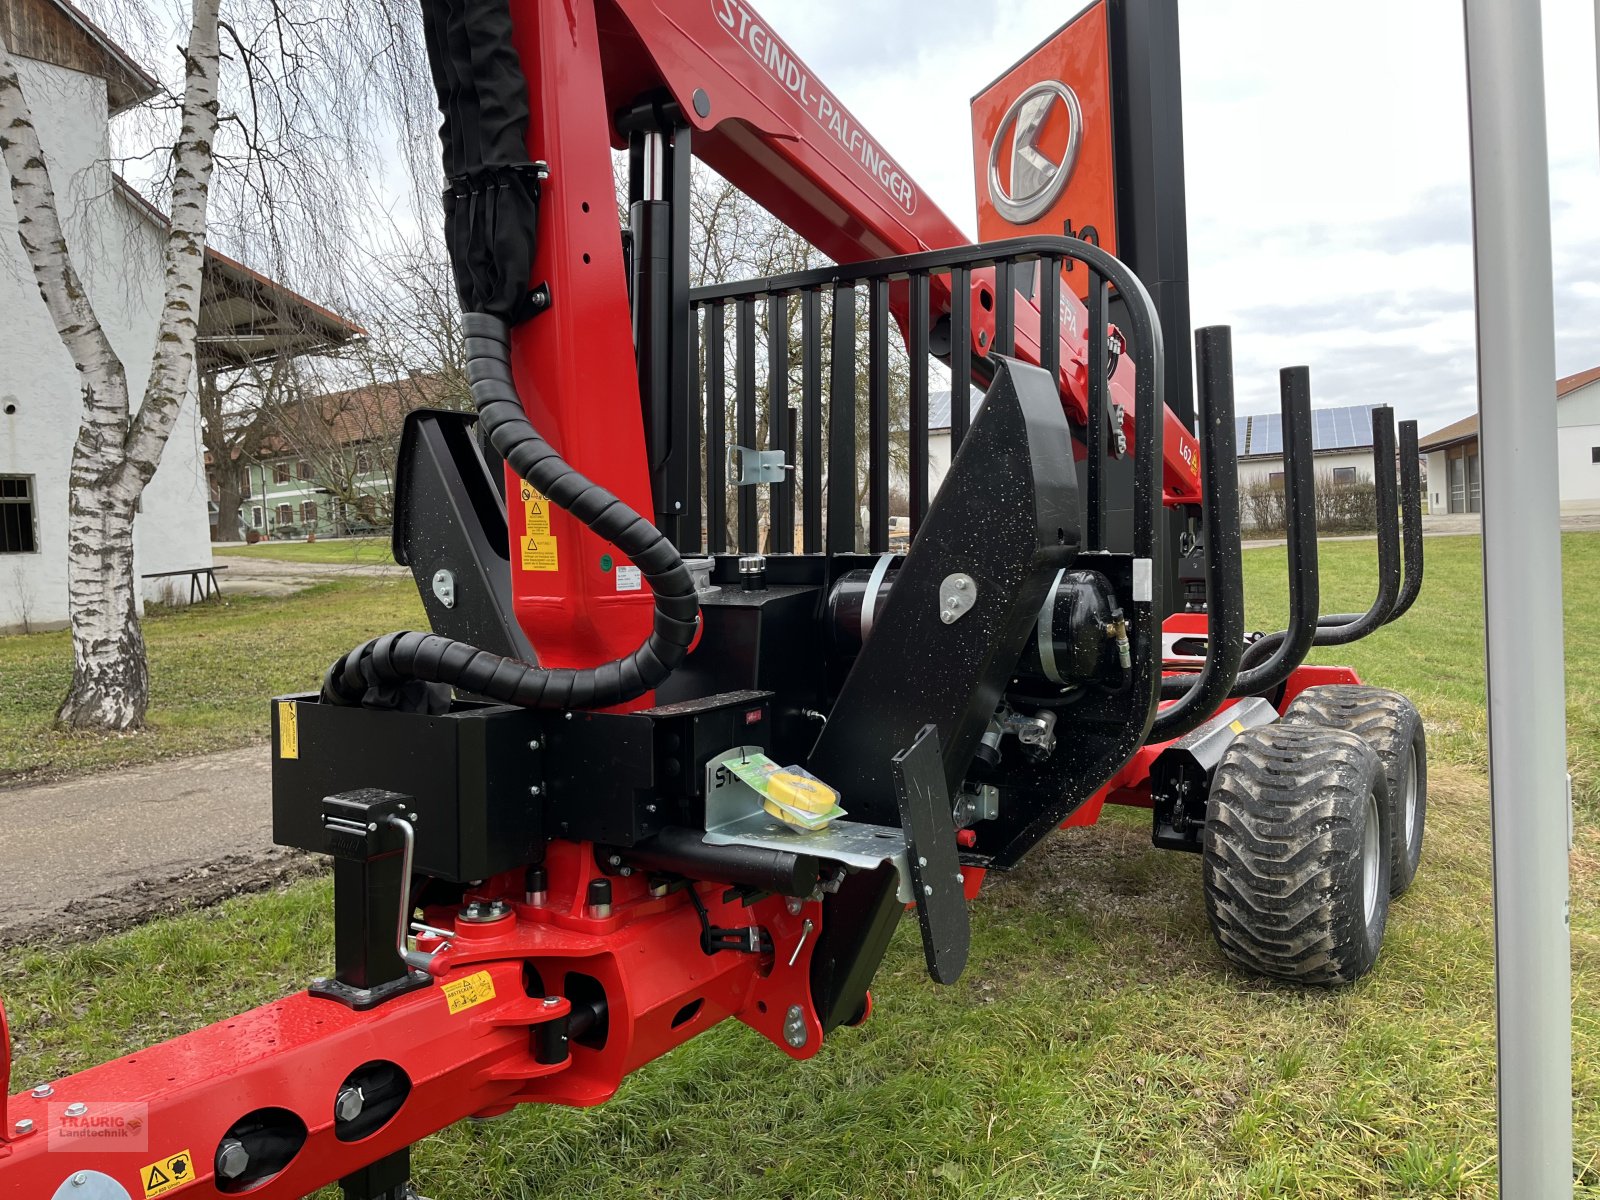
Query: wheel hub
[[1408, 800], [1371, 852]]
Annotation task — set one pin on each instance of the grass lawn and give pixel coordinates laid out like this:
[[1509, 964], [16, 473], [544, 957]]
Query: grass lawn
[[1097, 1046], [366, 551], [212, 668]]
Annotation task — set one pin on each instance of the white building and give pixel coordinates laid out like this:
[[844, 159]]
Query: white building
[[76, 79], [1456, 484], [939, 433], [1341, 444]]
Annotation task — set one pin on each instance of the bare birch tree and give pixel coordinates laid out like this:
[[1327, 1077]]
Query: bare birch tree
[[117, 449], [275, 161]]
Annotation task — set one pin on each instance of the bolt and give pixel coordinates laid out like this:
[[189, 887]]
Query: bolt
[[348, 1104], [960, 878], [233, 1160], [412, 817], [927, 889], [81, 1178], [536, 790], [794, 1026], [76, 1109], [373, 827], [921, 862], [24, 1126], [947, 616], [650, 808], [961, 585], [614, 861], [794, 904], [534, 745], [43, 1090], [551, 1001], [566, 716]]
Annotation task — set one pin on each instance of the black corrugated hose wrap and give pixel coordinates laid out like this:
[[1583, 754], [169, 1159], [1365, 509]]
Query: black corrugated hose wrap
[[377, 668], [491, 225]]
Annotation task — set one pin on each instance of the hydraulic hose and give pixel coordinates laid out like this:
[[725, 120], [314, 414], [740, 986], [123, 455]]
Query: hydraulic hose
[[395, 658]]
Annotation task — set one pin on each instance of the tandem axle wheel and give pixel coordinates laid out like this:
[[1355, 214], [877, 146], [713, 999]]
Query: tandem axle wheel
[[1296, 853]]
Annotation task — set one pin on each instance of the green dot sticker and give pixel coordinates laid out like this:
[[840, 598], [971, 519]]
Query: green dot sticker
[[605, 562]]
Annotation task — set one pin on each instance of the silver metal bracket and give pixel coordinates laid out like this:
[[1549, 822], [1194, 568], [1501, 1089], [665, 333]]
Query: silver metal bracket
[[958, 592], [90, 1185], [751, 467], [444, 587], [734, 817]]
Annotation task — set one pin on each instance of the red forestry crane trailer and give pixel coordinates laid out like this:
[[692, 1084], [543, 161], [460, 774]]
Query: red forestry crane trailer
[[573, 826]]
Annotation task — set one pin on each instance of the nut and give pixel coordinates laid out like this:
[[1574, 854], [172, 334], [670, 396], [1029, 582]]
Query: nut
[[233, 1160], [348, 1104]]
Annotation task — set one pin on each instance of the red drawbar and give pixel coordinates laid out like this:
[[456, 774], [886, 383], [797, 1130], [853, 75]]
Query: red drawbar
[[467, 1050]]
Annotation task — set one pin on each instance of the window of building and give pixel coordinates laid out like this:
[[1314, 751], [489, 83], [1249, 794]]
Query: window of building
[[280, 473], [304, 469], [255, 517], [308, 513], [285, 514], [244, 487], [1344, 474], [1594, 454], [17, 535], [364, 462], [1275, 479]]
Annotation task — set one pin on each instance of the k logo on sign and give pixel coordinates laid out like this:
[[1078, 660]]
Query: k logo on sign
[[1036, 180], [1043, 146]]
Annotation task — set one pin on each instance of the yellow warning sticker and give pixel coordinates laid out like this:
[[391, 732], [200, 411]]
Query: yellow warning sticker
[[464, 993], [1236, 726], [288, 729], [167, 1174], [539, 553], [536, 510]]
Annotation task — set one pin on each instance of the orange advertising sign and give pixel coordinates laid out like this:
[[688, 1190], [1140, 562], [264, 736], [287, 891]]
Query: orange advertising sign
[[1041, 143]]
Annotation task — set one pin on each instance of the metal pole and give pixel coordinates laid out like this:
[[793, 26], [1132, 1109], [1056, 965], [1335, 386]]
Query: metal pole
[[1522, 595]]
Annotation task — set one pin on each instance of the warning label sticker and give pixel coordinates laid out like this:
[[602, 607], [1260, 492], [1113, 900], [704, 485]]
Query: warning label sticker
[[536, 510], [538, 552], [288, 729], [629, 579], [464, 993], [167, 1174]]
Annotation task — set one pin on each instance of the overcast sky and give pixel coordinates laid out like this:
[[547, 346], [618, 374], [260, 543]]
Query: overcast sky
[[1326, 158]]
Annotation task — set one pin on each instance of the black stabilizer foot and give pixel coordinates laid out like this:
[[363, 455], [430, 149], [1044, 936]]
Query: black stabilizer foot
[[387, 1179], [926, 816]]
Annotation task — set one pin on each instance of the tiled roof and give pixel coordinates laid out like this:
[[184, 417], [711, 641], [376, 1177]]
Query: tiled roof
[[1467, 427]]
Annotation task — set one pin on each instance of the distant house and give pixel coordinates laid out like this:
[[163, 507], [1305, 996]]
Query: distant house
[[329, 468], [1341, 444], [939, 453], [77, 79], [1456, 482]]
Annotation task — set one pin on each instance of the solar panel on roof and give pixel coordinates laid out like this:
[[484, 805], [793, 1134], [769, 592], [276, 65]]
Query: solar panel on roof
[[1349, 427], [1361, 426], [1268, 437], [1322, 434]]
